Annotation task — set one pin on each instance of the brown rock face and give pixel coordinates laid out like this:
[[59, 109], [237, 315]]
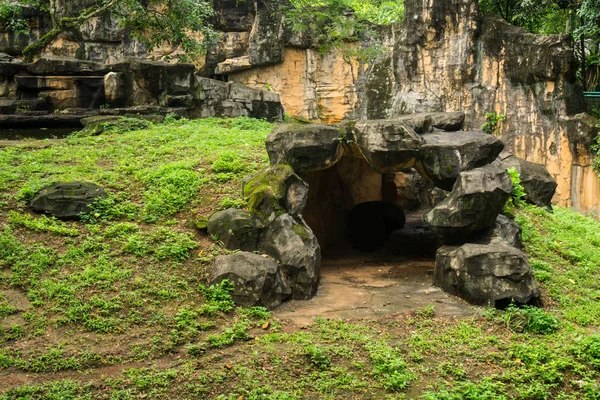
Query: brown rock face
[[446, 57]]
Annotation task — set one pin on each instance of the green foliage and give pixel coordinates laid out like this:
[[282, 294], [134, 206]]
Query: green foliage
[[389, 366], [110, 208], [492, 123], [517, 196], [5, 308], [12, 18], [154, 23], [564, 251], [595, 147], [230, 335], [332, 23], [587, 349], [484, 390], [317, 357], [41, 224], [122, 125], [530, 319], [170, 189], [217, 298]]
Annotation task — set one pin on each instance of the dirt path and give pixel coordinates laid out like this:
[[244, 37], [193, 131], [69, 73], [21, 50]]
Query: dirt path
[[358, 285]]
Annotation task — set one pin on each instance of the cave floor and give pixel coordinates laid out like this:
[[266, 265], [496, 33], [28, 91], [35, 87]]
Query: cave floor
[[358, 285]]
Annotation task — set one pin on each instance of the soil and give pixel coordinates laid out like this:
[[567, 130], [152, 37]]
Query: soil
[[357, 285]]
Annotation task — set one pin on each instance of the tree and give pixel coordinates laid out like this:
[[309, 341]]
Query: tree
[[153, 22]]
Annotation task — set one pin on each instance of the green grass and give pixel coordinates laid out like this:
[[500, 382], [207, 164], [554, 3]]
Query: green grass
[[126, 288]]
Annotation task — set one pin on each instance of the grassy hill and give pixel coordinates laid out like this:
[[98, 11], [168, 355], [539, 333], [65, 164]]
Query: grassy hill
[[116, 306]]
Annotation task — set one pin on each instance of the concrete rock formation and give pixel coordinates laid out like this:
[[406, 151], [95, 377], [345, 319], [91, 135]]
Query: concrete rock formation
[[347, 179]]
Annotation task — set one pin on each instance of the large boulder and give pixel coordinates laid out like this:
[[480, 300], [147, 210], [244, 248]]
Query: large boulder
[[275, 191], [479, 195], [486, 274], [257, 280], [445, 155], [539, 185], [237, 229], [504, 231], [67, 199], [388, 145], [420, 123], [306, 147], [448, 121], [293, 244]]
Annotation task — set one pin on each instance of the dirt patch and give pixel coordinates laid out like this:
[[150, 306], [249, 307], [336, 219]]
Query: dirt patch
[[371, 285], [16, 299]]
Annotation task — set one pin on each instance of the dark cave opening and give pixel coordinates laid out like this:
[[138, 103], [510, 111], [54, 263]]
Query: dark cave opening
[[372, 223], [353, 208]]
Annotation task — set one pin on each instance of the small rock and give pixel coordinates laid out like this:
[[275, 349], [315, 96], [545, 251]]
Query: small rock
[[67, 200]]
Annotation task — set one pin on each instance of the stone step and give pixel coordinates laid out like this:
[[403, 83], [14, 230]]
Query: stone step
[[57, 82]]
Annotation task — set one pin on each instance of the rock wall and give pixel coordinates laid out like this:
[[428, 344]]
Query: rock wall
[[447, 58], [101, 38], [317, 87]]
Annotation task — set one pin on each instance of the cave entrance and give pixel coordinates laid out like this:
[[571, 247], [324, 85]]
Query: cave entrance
[[378, 255], [353, 208]]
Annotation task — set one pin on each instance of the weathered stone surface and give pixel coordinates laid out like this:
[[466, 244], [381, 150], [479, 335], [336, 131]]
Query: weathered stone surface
[[448, 121], [388, 145], [257, 280], [479, 195], [316, 87], [30, 120], [115, 89], [581, 129], [222, 99], [14, 106], [445, 155], [486, 274], [67, 66], [415, 238], [293, 244], [504, 231], [420, 123], [306, 147], [67, 199], [445, 57], [275, 191], [237, 229], [233, 15], [6, 58], [266, 38], [539, 185], [97, 125], [232, 65]]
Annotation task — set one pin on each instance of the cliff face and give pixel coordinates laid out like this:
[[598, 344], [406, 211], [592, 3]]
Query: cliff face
[[446, 58], [101, 38], [443, 57]]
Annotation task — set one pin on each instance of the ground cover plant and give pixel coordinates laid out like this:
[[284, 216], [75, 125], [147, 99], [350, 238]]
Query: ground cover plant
[[117, 306]]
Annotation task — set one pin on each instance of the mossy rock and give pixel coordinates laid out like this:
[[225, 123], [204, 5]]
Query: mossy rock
[[275, 191], [95, 126]]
